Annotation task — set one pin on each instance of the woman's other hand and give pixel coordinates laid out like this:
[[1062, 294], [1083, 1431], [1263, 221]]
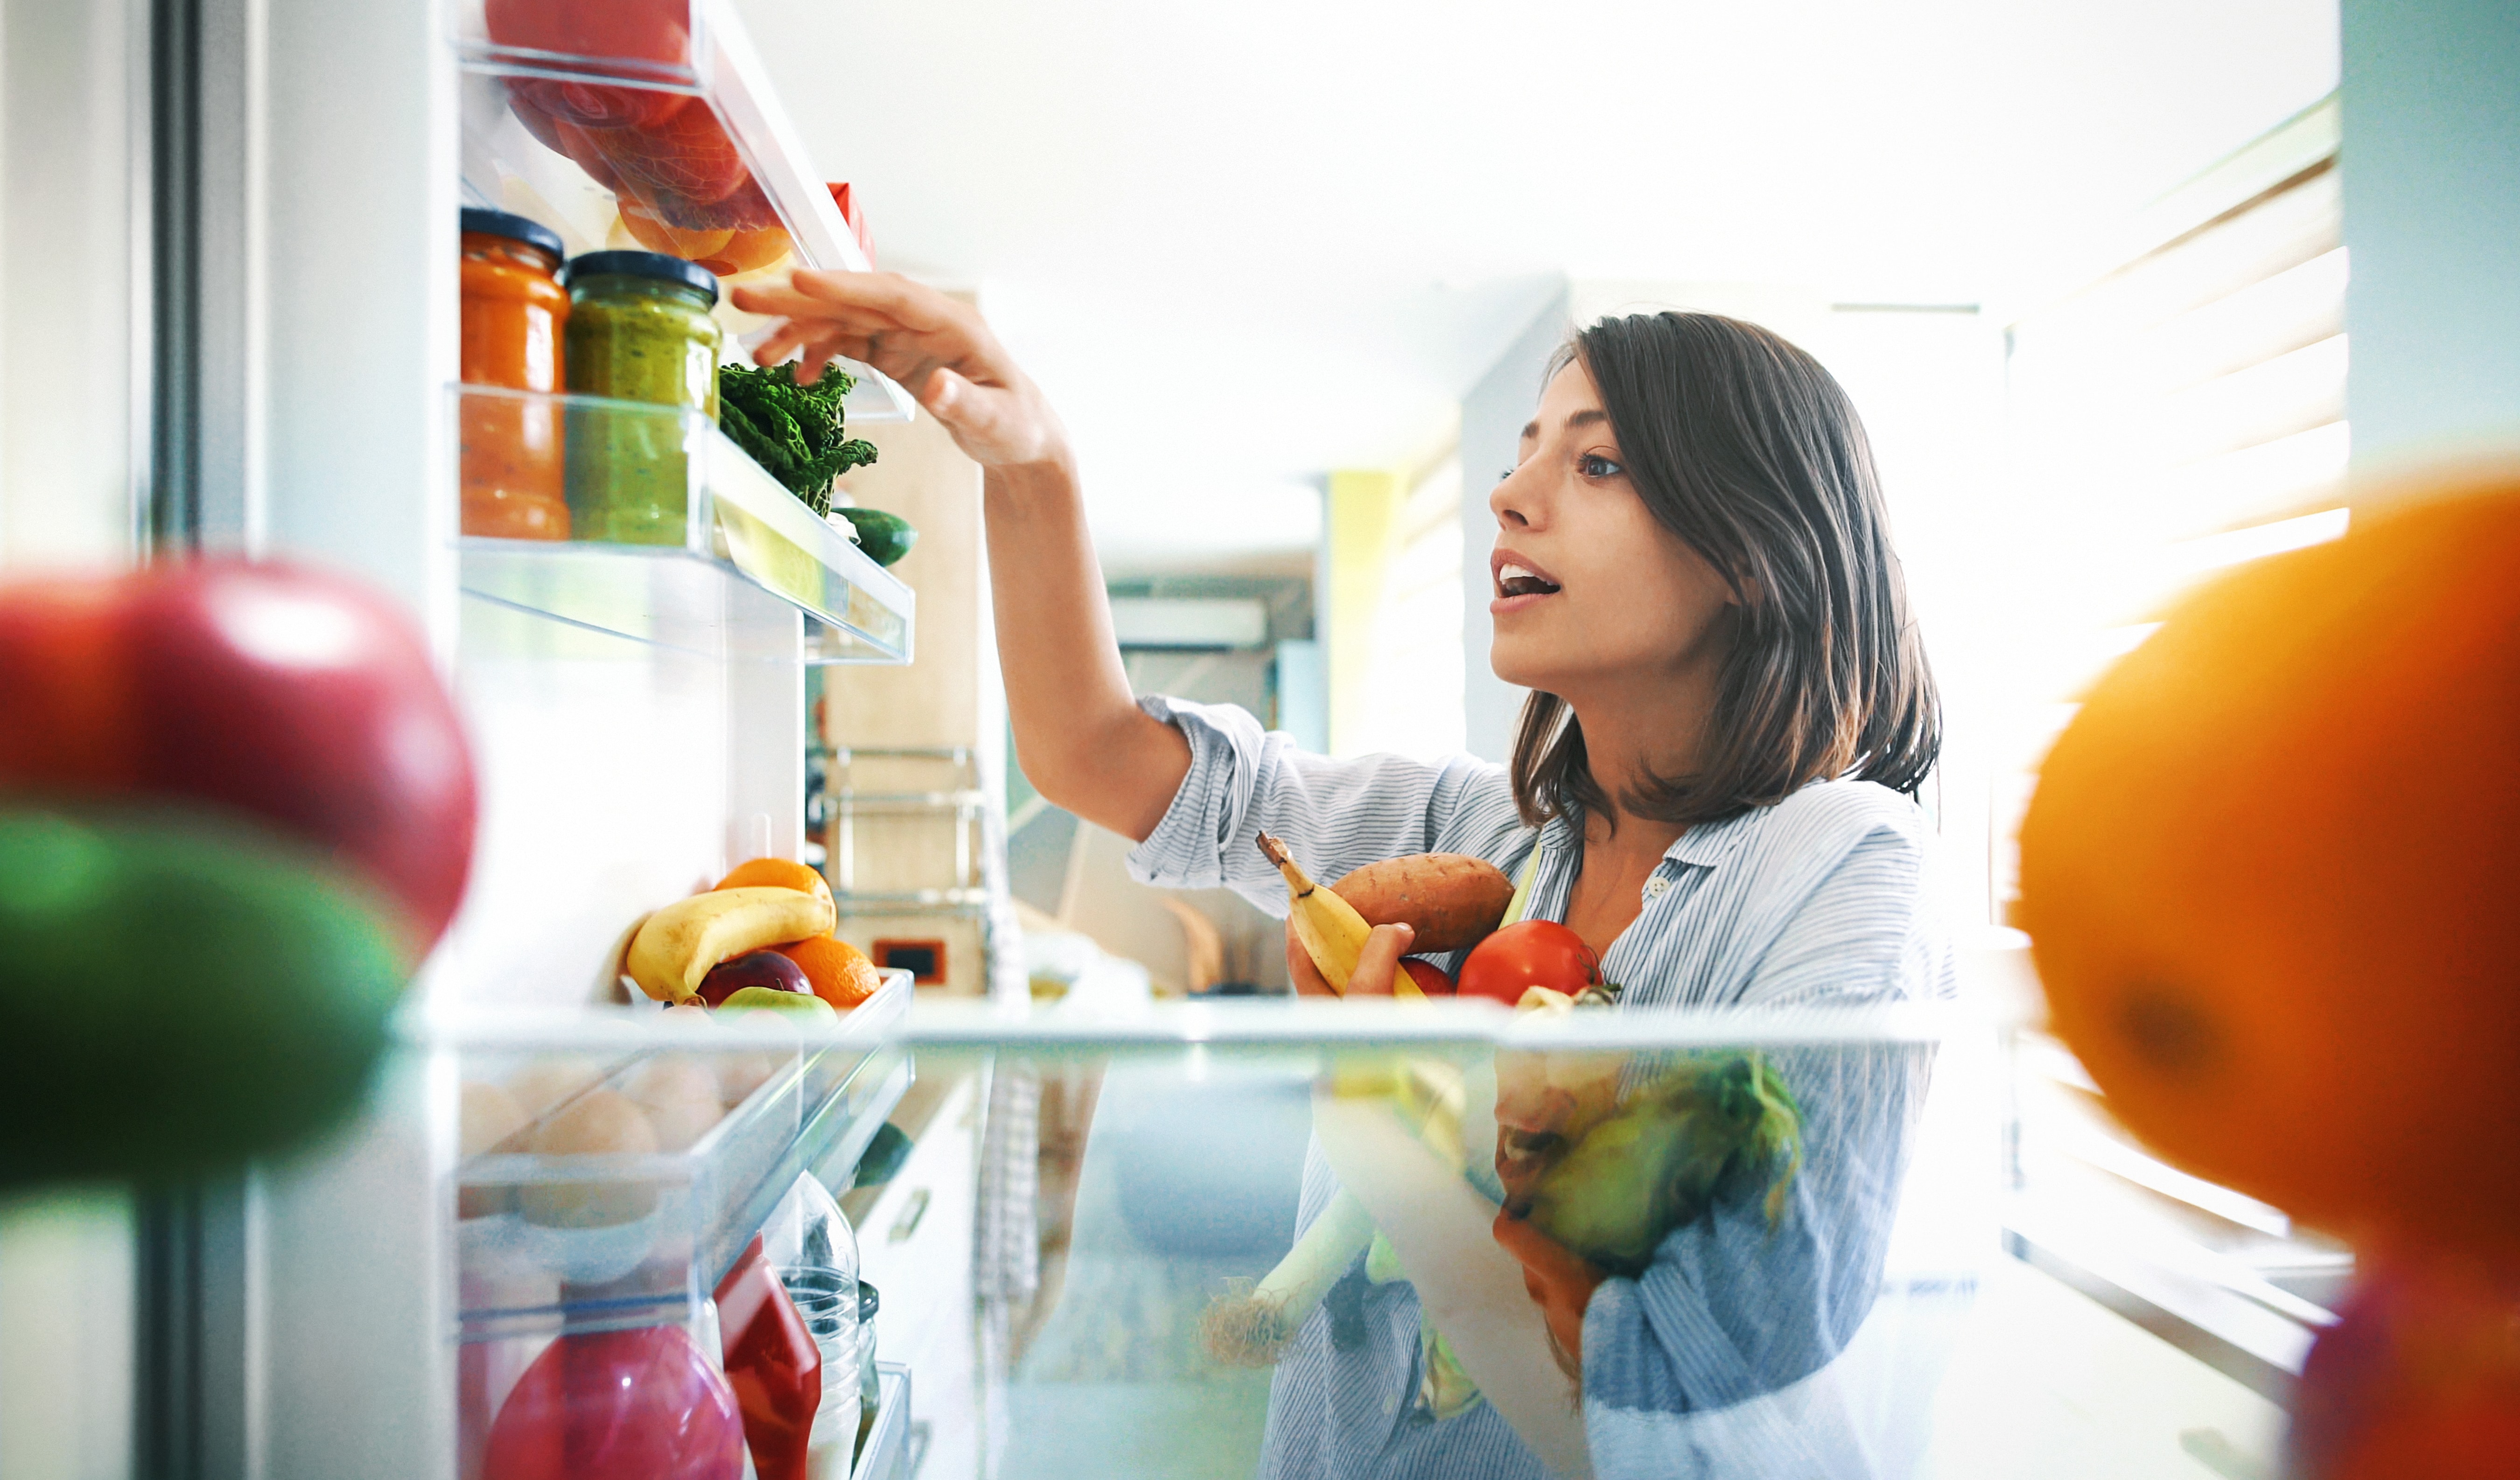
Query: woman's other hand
[[937, 346], [1560, 1281], [1376, 966]]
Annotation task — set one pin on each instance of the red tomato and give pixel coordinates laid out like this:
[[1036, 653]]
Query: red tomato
[[1428, 976], [686, 154], [644, 1402], [655, 31], [592, 105], [300, 699], [745, 209], [1531, 953]]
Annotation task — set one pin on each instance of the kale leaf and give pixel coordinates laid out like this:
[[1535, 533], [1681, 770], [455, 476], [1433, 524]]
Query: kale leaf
[[793, 432]]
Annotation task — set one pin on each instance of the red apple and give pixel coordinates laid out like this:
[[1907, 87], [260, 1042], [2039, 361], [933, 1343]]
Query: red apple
[[759, 968], [300, 699], [1428, 976]]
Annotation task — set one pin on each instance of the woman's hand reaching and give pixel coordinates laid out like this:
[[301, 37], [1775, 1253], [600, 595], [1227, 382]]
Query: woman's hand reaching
[[1376, 966], [937, 347]]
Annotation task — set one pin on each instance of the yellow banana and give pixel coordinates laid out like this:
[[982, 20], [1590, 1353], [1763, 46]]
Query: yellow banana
[[1332, 932], [675, 949]]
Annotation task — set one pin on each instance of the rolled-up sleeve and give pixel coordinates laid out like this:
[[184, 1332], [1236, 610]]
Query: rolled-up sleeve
[[1334, 814]]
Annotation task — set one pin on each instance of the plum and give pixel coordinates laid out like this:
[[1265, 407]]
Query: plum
[[756, 968]]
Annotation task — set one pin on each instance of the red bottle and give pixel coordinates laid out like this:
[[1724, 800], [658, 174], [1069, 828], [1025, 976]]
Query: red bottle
[[771, 1363]]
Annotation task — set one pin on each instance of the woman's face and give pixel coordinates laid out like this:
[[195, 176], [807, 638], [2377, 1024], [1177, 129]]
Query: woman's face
[[1592, 592]]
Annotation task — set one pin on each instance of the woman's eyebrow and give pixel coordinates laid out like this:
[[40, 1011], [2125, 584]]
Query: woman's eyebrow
[[1592, 418]]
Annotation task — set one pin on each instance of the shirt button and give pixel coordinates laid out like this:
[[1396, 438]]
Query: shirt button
[[1657, 886]]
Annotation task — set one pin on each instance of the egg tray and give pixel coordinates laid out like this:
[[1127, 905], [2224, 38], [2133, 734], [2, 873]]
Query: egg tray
[[608, 1241]]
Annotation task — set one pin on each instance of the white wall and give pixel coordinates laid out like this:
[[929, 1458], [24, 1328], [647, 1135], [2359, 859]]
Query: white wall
[[1493, 412]]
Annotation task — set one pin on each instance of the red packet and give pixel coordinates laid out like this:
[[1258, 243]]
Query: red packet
[[846, 200], [771, 1363]]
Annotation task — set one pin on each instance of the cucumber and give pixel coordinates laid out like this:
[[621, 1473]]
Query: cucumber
[[884, 537]]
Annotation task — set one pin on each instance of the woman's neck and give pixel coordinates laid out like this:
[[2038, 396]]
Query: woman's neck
[[1626, 752]]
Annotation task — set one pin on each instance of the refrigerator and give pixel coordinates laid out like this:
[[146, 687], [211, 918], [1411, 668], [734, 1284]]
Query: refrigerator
[[1109, 1233]]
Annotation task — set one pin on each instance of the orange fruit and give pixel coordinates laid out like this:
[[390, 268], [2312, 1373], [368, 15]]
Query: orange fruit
[[840, 973], [2269, 870], [651, 232], [776, 874]]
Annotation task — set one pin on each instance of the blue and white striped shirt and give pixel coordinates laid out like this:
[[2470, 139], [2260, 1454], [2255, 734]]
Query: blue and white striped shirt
[[1819, 899]]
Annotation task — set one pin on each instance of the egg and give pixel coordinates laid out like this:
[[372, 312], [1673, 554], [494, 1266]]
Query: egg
[[598, 1123], [546, 1084], [680, 1097], [487, 1116]]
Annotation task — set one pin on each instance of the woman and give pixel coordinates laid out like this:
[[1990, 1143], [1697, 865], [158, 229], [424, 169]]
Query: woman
[[1692, 575]]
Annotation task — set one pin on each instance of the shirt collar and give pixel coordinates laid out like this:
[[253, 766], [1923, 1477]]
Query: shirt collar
[[1706, 845]]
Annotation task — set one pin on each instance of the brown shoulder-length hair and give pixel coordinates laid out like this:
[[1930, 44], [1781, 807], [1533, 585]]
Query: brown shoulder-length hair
[[1744, 447]]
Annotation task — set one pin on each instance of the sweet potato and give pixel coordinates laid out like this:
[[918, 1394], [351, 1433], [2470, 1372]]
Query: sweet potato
[[1451, 899]]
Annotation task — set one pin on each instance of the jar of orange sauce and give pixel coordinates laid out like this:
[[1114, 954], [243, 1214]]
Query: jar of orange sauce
[[515, 485]]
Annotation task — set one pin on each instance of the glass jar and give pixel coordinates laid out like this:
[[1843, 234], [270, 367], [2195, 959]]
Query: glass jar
[[510, 447], [809, 1243], [639, 330]]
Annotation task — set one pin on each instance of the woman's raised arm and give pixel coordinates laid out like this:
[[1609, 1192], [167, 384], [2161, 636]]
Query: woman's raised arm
[[1080, 735]]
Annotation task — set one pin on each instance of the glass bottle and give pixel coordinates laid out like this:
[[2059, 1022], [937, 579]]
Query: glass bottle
[[870, 1395], [513, 313], [639, 330]]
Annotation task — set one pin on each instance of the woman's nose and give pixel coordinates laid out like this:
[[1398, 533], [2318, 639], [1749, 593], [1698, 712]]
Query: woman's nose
[[1512, 502]]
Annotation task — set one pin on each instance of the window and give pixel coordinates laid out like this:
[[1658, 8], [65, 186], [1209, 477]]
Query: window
[[2181, 413]]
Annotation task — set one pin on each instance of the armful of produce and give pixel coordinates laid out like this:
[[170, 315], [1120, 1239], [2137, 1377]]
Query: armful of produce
[[1607, 1169], [1449, 899]]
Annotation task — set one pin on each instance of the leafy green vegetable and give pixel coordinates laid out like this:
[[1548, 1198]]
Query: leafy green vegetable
[[1655, 1163], [793, 432]]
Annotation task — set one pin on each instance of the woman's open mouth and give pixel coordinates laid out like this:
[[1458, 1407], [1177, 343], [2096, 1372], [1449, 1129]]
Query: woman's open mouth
[[1518, 583]]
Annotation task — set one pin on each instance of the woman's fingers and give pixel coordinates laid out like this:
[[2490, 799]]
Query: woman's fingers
[[1379, 961], [915, 306], [1300, 970], [1375, 964], [937, 348]]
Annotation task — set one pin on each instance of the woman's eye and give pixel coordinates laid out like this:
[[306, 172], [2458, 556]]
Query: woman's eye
[[1595, 466]]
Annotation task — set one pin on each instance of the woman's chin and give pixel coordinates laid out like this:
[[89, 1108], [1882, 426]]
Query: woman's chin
[[1516, 664]]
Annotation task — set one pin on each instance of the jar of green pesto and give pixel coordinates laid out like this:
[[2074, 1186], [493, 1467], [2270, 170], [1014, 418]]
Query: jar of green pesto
[[639, 330]]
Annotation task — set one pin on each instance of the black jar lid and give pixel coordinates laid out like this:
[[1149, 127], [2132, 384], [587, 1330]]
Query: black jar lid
[[870, 1301], [642, 264], [498, 223]]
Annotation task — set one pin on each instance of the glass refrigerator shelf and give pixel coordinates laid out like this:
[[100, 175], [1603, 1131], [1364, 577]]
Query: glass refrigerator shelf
[[749, 553]]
